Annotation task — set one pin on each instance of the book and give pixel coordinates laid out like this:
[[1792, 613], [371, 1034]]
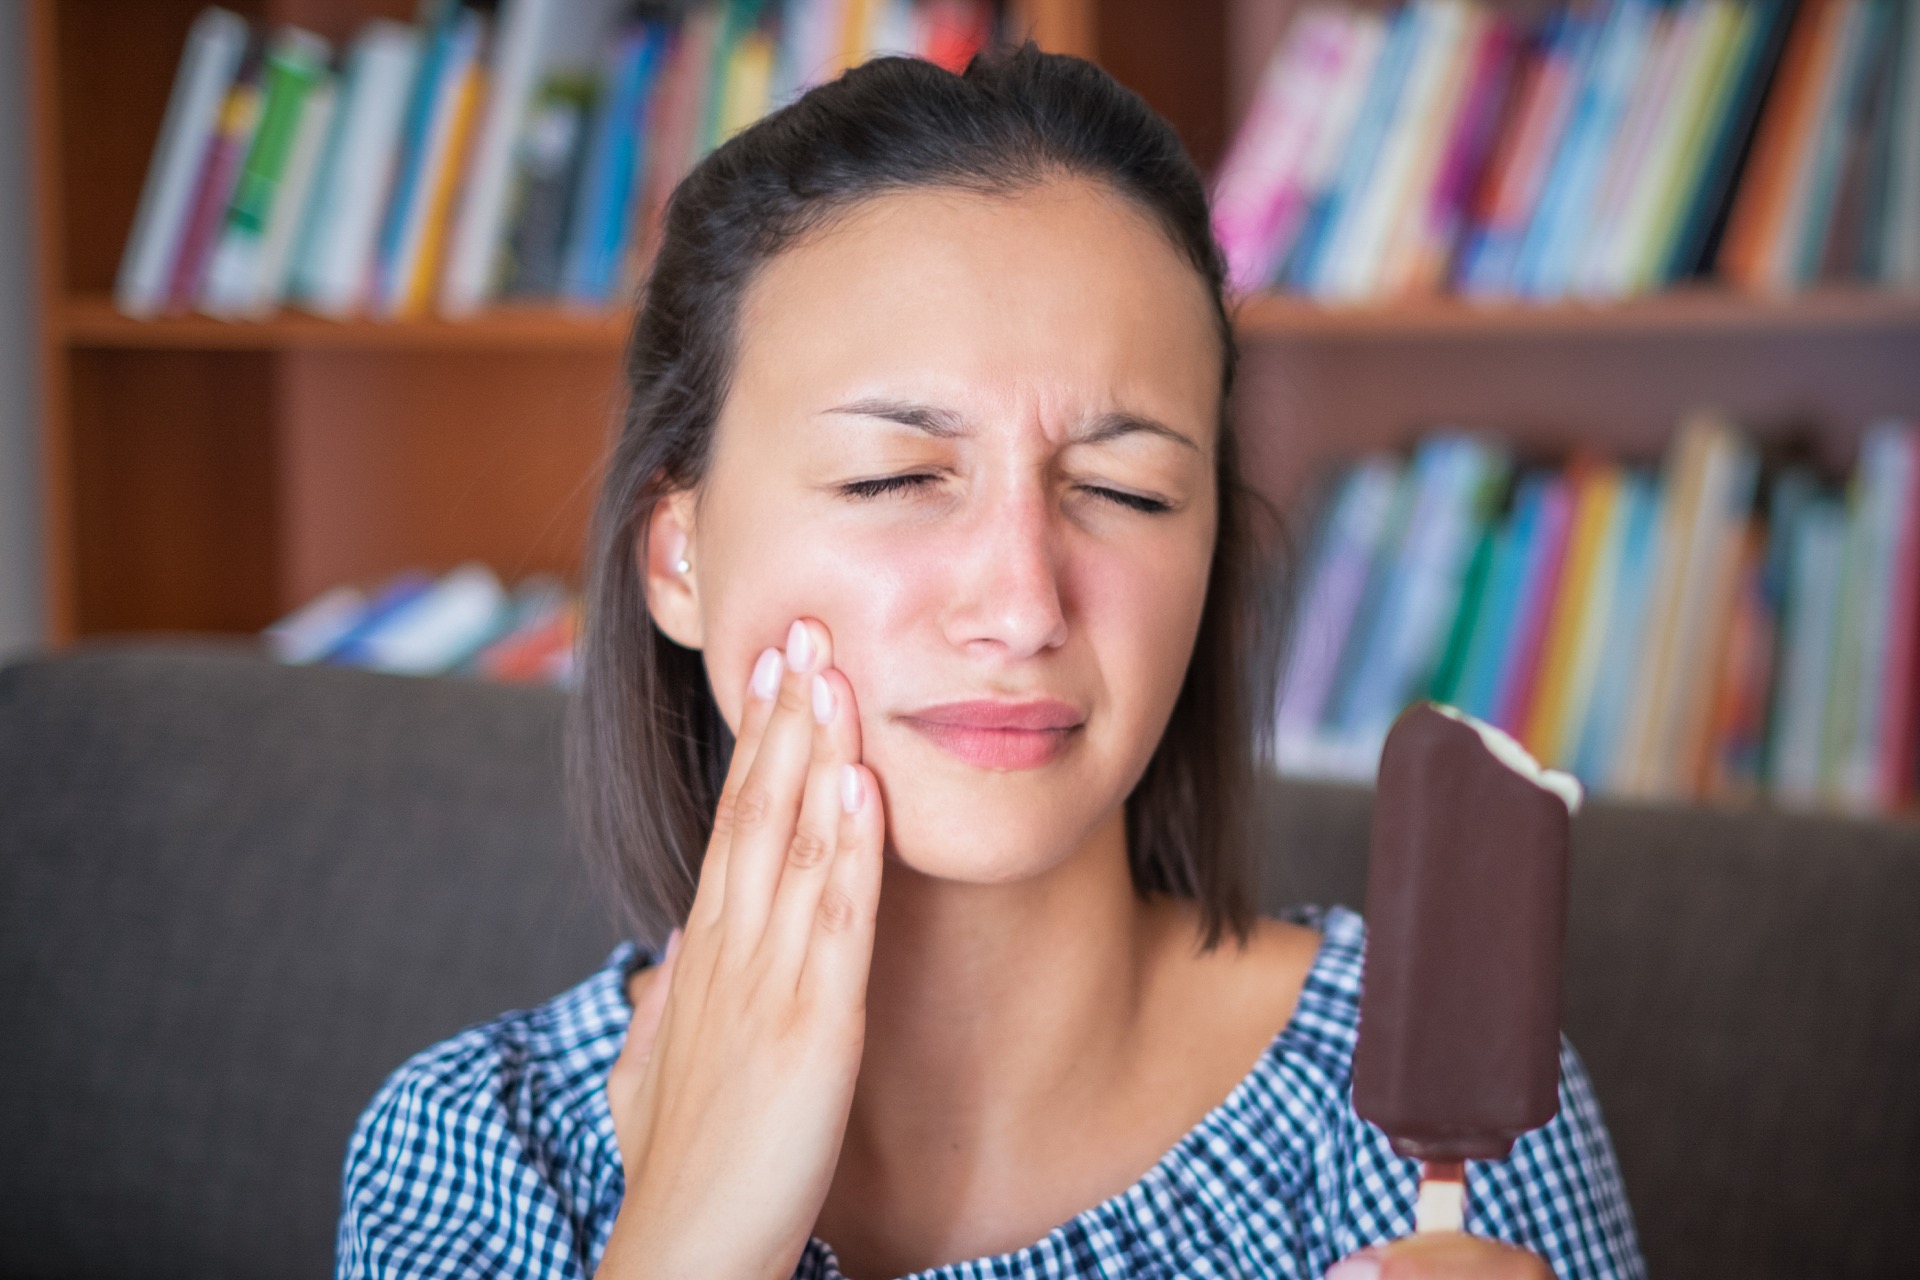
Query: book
[[1809, 626], [1496, 624], [1343, 552], [477, 242], [1761, 208], [1676, 153], [1595, 490], [295, 61], [614, 159], [1643, 500], [1899, 251], [333, 255], [1708, 203], [1492, 250], [1795, 259], [1518, 678], [211, 59], [1559, 226], [1411, 136], [219, 169], [439, 118], [270, 284], [1260, 189], [1371, 122], [1453, 480]]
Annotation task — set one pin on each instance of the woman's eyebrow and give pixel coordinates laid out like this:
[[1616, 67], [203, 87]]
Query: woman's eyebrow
[[945, 423], [940, 423]]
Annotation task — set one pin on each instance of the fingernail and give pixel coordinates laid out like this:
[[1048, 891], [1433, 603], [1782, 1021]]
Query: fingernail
[[799, 647], [822, 700], [1357, 1267], [766, 673], [853, 789]]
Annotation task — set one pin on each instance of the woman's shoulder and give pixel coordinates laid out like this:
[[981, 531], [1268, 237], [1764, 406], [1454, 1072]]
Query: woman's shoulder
[[554, 1045], [509, 1117]]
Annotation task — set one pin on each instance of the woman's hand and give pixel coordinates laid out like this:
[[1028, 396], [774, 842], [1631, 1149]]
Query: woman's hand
[[730, 1098], [1441, 1255]]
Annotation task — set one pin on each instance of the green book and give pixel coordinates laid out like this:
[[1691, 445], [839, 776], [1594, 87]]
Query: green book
[[294, 63]]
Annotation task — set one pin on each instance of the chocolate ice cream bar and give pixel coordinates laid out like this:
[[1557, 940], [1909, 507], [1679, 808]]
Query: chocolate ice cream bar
[[1459, 1050]]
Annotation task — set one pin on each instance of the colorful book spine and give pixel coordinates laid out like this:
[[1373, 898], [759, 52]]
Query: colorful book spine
[[215, 45], [294, 63]]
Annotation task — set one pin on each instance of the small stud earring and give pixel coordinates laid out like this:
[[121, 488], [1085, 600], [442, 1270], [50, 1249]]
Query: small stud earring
[[681, 566]]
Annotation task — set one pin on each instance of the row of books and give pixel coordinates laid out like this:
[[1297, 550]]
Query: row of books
[[463, 622], [1610, 149], [521, 149], [1729, 627]]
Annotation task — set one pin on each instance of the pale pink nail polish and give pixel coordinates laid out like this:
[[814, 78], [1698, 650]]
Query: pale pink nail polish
[[799, 648], [766, 674], [822, 700], [1357, 1267], [853, 789]]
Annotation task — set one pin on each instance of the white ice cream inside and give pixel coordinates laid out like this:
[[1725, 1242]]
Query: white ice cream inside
[[1508, 751]]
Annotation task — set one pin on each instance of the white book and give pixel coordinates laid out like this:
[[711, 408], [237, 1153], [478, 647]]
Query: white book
[[441, 626], [335, 249], [480, 224], [215, 44], [290, 205]]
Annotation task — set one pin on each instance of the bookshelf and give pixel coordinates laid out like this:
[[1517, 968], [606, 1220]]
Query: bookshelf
[[210, 475]]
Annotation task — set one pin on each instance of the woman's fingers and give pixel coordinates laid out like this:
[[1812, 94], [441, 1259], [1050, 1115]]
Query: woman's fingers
[[756, 712], [768, 805], [841, 950], [816, 833]]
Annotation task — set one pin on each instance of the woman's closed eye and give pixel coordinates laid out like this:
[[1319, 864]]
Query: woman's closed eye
[[882, 486]]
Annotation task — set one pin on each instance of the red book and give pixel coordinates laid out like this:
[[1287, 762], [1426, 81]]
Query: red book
[[218, 173], [1900, 726]]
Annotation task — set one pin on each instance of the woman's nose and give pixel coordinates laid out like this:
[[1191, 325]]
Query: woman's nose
[[1007, 598]]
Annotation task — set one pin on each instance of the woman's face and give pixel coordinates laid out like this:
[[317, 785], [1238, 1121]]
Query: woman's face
[[974, 436]]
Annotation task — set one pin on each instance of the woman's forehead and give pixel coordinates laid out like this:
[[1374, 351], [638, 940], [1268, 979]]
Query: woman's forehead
[[1063, 291]]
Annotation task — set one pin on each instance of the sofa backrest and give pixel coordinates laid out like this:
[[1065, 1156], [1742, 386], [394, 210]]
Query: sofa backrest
[[234, 895]]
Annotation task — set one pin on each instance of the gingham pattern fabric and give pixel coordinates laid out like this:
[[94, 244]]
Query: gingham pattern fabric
[[493, 1154]]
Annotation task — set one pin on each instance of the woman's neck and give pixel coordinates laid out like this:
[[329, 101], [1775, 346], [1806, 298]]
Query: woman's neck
[[999, 1017]]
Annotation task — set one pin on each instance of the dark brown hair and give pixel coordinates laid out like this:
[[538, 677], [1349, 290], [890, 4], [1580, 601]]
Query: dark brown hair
[[648, 748]]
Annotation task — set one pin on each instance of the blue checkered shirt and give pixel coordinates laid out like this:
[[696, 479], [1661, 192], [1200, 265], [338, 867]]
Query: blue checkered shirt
[[493, 1154]]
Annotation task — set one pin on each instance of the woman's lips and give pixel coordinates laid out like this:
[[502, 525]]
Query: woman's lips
[[998, 735]]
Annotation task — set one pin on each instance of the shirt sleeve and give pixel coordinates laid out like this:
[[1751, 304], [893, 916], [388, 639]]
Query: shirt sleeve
[[1559, 1194], [438, 1183]]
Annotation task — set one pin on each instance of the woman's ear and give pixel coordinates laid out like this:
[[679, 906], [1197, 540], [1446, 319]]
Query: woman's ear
[[667, 568]]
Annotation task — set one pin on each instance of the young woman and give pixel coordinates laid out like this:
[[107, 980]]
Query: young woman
[[913, 705]]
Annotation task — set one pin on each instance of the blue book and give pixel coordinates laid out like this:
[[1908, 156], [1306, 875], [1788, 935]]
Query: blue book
[[1620, 652], [1454, 475], [1559, 228], [408, 178], [1363, 148], [394, 598], [1500, 603], [602, 209]]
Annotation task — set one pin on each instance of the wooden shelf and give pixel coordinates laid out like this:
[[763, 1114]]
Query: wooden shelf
[[1703, 310], [90, 321]]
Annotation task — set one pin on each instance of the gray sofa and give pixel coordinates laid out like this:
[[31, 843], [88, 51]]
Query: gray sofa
[[234, 895]]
